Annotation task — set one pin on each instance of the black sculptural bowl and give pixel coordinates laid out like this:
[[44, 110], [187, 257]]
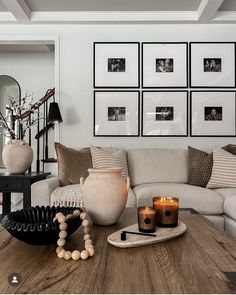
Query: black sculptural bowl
[[35, 225]]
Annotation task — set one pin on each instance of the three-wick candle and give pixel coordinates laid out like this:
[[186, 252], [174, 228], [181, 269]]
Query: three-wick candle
[[166, 211]]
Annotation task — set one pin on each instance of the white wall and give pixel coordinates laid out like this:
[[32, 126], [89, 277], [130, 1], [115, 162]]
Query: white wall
[[76, 68], [34, 72]]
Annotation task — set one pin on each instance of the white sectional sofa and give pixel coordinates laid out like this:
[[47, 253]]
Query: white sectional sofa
[[155, 172]]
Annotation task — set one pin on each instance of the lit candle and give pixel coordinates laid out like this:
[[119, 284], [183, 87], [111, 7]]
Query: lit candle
[[147, 219], [166, 211]]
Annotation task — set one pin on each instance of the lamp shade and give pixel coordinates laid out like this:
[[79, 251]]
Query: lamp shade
[[54, 114]]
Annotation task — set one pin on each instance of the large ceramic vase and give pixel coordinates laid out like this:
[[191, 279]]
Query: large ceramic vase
[[105, 194], [17, 156]]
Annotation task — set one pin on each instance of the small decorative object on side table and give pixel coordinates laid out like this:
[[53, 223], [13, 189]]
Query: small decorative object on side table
[[167, 211], [18, 183]]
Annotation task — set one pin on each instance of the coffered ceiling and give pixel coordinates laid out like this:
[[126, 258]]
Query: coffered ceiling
[[117, 11]]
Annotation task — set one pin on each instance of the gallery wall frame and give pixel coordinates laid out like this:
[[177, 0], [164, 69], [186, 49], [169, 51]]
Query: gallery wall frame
[[164, 113], [116, 65], [212, 65], [212, 113], [116, 113], [164, 65]]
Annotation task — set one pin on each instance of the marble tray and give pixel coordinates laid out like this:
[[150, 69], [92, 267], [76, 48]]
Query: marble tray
[[162, 234]]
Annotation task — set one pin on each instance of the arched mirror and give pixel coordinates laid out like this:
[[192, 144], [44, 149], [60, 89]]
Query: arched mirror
[[9, 87]]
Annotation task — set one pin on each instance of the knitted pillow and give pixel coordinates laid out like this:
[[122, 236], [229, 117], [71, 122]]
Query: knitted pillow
[[109, 158]]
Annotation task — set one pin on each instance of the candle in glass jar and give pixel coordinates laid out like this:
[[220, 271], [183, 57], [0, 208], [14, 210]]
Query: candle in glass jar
[[166, 211], [147, 219]]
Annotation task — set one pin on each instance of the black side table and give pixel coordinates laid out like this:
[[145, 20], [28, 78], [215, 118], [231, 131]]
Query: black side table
[[18, 183]]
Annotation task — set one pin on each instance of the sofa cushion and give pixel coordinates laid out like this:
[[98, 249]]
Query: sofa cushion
[[223, 170], [72, 164], [230, 206], [110, 158], [157, 165], [226, 192], [203, 200]]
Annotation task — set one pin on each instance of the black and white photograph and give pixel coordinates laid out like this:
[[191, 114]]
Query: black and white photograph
[[164, 113], [116, 113], [212, 64], [165, 65], [213, 113], [116, 64]]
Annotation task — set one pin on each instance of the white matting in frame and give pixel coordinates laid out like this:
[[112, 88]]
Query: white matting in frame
[[212, 113], [116, 65], [116, 113], [212, 65], [165, 113], [165, 65]]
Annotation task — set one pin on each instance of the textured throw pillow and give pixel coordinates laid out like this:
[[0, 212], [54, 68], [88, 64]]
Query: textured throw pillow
[[200, 167], [109, 158], [72, 164], [223, 170]]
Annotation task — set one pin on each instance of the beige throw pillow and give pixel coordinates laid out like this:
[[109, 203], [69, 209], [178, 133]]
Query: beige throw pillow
[[72, 164], [223, 170], [109, 158]]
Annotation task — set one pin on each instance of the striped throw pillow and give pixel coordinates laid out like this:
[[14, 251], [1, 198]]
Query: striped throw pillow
[[109, 158], [223, 170]]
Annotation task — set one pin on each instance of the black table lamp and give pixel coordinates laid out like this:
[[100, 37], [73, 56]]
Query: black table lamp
[[54, 114]]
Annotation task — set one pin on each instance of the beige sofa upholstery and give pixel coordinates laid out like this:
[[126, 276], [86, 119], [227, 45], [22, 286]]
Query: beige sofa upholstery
[[163, 172]]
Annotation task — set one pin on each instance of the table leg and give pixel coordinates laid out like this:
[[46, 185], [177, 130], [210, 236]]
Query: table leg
[[6, 202], [27, 196]]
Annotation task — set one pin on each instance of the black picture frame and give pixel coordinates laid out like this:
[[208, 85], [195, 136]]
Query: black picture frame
[[136, 63], [137, 92], [232, 109], [211, 86], [186, 108], [186, 57]]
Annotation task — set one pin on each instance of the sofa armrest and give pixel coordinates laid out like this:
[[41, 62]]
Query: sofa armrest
[[42, 190]]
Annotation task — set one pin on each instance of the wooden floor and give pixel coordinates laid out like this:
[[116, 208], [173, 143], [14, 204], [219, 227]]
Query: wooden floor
[[195, 262]]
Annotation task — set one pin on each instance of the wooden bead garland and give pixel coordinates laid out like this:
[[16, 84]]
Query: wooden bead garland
[[75, 255]]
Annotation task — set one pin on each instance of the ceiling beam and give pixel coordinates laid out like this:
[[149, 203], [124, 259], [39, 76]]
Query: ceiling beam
[[208, 9], [19, 9]]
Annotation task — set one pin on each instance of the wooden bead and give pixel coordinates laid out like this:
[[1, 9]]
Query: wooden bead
[[58, 249], [91, 251], [88, 246], [88, 242], [61, 219], [63, 226], [61, 242], [62, 234], [69, 216], [84, 254], [76, 213], [85, 223], [75, 255], [58, 215], [83, 216], [86, 237], [86, 230], [67, 255], [61, 253]]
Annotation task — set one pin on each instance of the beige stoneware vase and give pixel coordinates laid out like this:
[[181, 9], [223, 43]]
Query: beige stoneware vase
[[105, 194], [17, 156]]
